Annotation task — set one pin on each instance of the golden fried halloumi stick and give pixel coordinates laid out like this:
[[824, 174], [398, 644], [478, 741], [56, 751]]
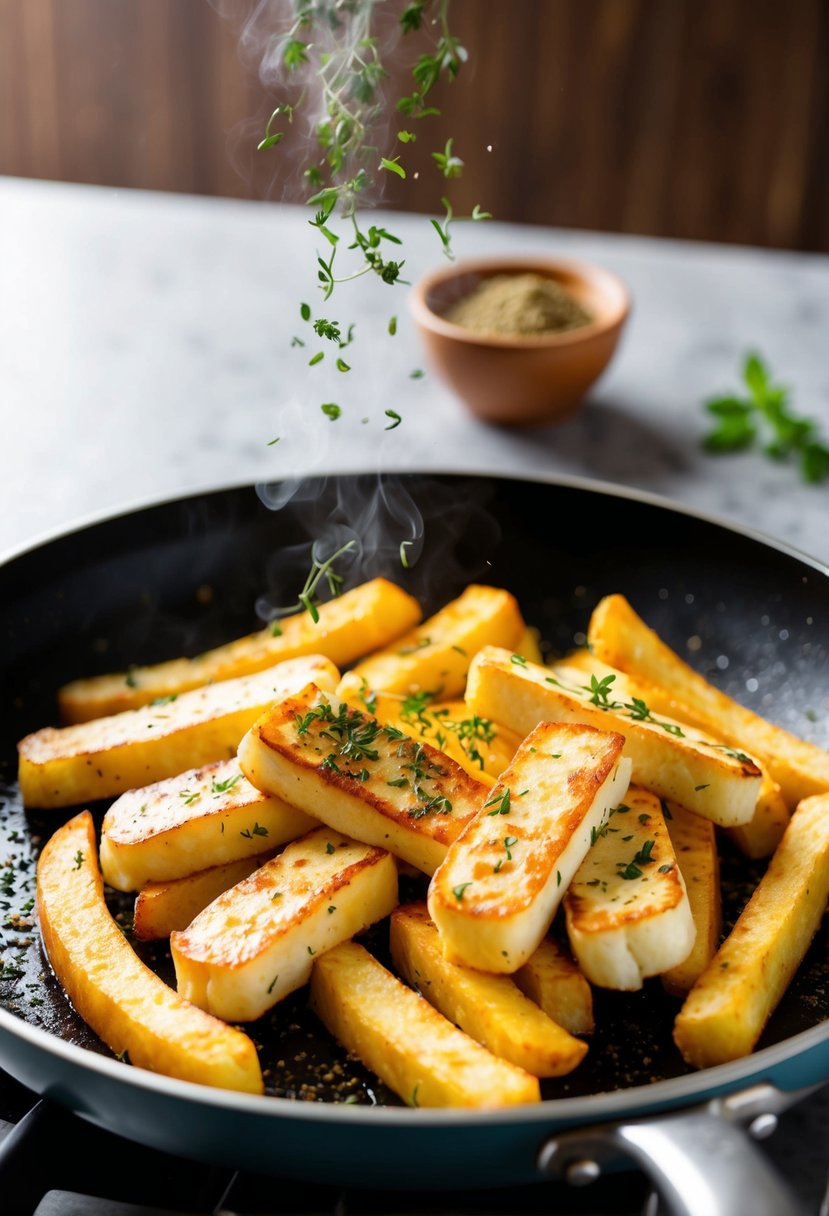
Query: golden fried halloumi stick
[[620, 637], [363, 778], [100, 759], [700, 773], [489, 1008], [435, 657], [161, 907], [349, 626], [730, 1003], [257, 942], [398, 1035], [201, 818], [495, 895], [628, 915], [122, 1000]]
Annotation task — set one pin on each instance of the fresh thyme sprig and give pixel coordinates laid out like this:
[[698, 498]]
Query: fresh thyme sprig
[[763, 413], [307, 597]]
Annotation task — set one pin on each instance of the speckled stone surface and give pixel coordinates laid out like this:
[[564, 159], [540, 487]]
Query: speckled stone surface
[[145, 350]]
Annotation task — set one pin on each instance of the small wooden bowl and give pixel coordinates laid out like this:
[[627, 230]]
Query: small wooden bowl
[[521, 380]]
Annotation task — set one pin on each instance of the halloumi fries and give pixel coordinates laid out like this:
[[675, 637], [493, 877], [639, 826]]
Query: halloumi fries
[[257, 942], [201, 818], [161, 907], [360, 777], [494, 897], [621, 638], [349, 626], [398, 1035], [726, 1010], [551, 979], [68, 765], [628, 914], [703, 775], [489, 1008], [435, 657], [125, 1003]]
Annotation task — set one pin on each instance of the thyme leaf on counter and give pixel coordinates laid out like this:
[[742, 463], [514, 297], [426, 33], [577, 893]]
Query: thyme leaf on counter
[[763, 413]]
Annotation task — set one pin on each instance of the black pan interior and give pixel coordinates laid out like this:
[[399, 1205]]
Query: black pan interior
[[181, 577]]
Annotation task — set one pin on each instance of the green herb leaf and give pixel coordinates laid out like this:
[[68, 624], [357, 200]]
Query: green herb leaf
[[395, 419], [331, 410], [392, 166]]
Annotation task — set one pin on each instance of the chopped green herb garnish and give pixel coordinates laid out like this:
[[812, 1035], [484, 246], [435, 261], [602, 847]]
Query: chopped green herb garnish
[[395, 420], [458, 891], [501, 803]]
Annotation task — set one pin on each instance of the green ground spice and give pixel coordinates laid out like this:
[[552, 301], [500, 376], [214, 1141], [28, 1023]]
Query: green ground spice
[[524, 304]]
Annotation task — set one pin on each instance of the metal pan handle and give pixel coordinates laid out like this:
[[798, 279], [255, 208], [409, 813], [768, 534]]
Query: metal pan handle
[[701, 1161]]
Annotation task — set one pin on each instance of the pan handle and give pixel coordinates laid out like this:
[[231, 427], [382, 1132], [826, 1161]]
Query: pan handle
[[701, 1161]]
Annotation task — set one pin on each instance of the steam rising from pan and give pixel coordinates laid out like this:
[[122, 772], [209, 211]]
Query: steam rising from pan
[[378, 513]]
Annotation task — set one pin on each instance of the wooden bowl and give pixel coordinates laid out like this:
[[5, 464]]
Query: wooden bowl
[[521, 380]]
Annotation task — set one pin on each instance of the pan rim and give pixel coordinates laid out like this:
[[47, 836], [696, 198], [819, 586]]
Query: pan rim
[[600, 1106]]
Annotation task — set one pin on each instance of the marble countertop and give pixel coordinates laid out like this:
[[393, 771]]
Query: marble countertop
[[145, 351]]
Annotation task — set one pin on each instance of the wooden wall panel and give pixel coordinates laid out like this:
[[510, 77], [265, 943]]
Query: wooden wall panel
[[690, 118]]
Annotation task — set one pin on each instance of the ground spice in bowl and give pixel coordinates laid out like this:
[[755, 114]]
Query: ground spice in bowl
[[521, 304]]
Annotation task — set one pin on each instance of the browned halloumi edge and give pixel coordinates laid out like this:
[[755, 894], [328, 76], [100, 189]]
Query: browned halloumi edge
[[489, 1008], [695, 844], [435, 657], [729, 1005], [363, 778], [125, 1003], [620, 637], [349, 626], [709, 778], [551, 979], [495, 895], [199, 819], [257, 942], [628, 915], [161, 907], [412, 1048], [103, 758]]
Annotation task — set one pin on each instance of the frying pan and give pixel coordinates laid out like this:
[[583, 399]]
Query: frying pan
[[180, 576]]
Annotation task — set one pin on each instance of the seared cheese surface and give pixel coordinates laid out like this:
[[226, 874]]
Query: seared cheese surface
[[628, 914], [257, 942], [202, 818], [361, 777], [671, 758], [103, 758], [494, 896]]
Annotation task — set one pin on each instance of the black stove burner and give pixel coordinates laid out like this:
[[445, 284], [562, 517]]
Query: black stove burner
[[52, 1163]]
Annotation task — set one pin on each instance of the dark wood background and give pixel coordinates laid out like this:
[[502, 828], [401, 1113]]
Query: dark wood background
[[686, 118]]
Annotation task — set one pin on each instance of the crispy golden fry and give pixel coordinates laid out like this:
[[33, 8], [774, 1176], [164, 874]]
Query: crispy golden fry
[[729, 1005], [202, 818], [121, 999], [688, 766], [102, 758], [360, 777], [489, 1008], [495, 894], [695, 845], [618, 636], [161, 907], [350, 626], [435, 657], [555, 983], [628, 915], [411, 1047], [484, 748], [764, 831]]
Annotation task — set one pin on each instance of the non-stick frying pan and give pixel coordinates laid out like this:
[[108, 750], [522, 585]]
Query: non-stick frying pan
[[180, 576]]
